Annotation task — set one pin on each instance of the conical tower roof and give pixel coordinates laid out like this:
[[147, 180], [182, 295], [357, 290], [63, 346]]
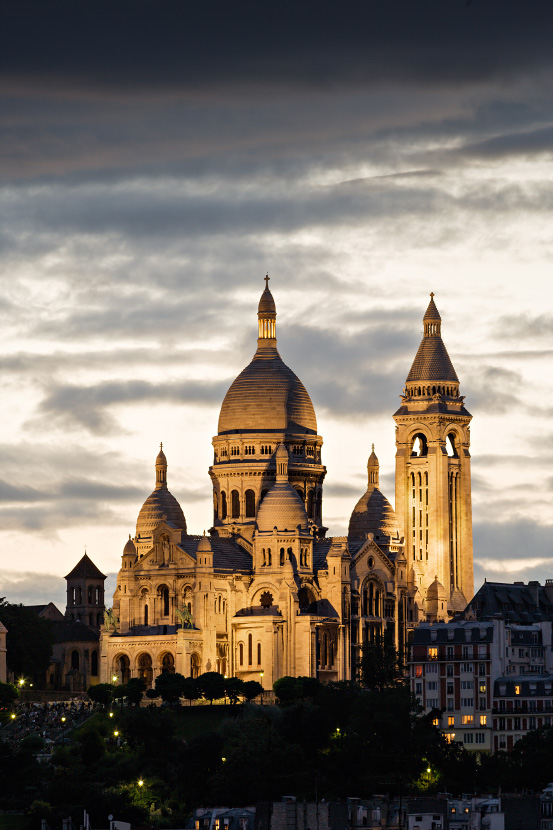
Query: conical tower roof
[[432, 362], [85, 569]]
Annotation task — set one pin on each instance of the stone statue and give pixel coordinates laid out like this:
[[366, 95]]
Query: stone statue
[[185, 617], [110, 619], [166, 551]]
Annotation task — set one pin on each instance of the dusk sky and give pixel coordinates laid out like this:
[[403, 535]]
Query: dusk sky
[[157, 158]]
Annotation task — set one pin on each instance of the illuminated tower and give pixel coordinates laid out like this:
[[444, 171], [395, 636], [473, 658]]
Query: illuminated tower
[[433, 490]]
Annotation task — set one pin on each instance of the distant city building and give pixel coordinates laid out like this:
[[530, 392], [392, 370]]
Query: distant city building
[[488, 681], [266, 593]]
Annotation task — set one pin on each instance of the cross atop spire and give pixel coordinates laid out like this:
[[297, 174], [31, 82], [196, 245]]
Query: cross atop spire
[[432, 297], [266, 278]]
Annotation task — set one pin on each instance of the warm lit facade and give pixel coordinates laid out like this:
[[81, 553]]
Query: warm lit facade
[[266, 593]]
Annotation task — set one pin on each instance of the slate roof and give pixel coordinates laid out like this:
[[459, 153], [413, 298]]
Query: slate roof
[[450, 633], [514, 602], [85, 569], [432, 362], [73, 632], [228, 555], [538, 683]]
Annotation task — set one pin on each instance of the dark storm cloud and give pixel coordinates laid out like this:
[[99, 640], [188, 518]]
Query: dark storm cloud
[[530, 143], [315, 43]]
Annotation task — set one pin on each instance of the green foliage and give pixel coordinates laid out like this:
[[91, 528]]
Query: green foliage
[[380, 665], [170, 686], [191, 689], [212, 685], [251, 689], [29, 642], [234, 689], [102, 693], [8, 694], [288, 689]]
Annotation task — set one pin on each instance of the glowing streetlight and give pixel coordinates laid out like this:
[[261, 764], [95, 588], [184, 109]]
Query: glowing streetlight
[[63, 730], [21, 681], [116, 734], [140, 782], [114, 678], [224, 760], [13, 716], [111, 714]]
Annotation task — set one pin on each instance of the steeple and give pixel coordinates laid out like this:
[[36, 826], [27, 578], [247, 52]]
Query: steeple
[[266, 315], [372, 469], [161, 469], [432, 364]]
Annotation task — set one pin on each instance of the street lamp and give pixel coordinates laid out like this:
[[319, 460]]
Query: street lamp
[[114, 678], [261, 673], [63, 730], [140, 782]]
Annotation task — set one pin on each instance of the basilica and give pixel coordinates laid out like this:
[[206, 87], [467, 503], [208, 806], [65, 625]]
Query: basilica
[[267, 593]]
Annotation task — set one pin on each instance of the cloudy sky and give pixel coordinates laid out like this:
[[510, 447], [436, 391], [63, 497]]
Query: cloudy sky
[[157, 158]]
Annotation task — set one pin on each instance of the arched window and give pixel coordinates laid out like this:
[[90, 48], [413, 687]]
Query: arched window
[[269, 557], [250, 649], [90, 594], [241, 653], [223, 505], [264, 560], [91, 619], [98, 619], [235, 504], [377, 603], [123, 668], [310, 498], [194, 665], [164, 592], [450, 446], [94, 663], [145, 670], [371, 599], [215, 508], [250, 504], [145, 615], [259, 654], [168, 663], [80, 595], [419, 447], [281, 557], [75, 660]]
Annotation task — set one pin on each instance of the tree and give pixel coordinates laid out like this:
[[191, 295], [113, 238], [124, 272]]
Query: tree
[[251, 689], [380, 665], [8, 694], [212, 685], [132, 690], [287, 689], [190, 689], [101, 693], [170, 686], [234, 688], [29, 642]]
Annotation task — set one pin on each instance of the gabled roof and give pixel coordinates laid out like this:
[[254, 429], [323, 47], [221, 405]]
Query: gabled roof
[[228, 555], [73, 632], [85, 569]]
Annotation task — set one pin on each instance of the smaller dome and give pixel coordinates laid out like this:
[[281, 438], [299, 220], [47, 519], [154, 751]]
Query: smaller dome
[[266, 303], [129, 549], [431, 312], [374, 514], [204, 545], [282, 508], [161, 459]]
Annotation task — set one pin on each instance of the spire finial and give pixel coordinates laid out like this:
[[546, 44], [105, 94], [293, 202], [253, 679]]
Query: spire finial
[[161, 445], [373, 447], [431, 295], [266, 278]]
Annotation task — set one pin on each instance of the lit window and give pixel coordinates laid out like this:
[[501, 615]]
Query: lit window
[[418, 671], [451, 720], [450, 736], [517, 690], [467, 720], [482, 720], [436, 722], [433, 654]]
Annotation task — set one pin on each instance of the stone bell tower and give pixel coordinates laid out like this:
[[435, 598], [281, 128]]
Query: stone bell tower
[[433, 485]]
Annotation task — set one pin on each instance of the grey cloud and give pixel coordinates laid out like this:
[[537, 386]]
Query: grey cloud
[[19, 494], [531, 142], [342, 490], [513, 540], [86, 406], [525, 327], [493, 389], [33, 588]]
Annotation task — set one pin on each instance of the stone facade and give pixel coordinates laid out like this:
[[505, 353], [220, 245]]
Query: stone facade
[[266, 593]]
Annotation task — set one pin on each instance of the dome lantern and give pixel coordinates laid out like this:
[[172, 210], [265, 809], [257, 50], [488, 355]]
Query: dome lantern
[[266, 315], [373, 468], [161, 468]]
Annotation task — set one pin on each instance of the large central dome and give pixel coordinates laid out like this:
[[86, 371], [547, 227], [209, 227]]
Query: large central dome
[[267, 395]]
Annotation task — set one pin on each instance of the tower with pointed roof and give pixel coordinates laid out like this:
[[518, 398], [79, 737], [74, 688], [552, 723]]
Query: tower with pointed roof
[[433, 483], [85, 594], [267, 404]]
